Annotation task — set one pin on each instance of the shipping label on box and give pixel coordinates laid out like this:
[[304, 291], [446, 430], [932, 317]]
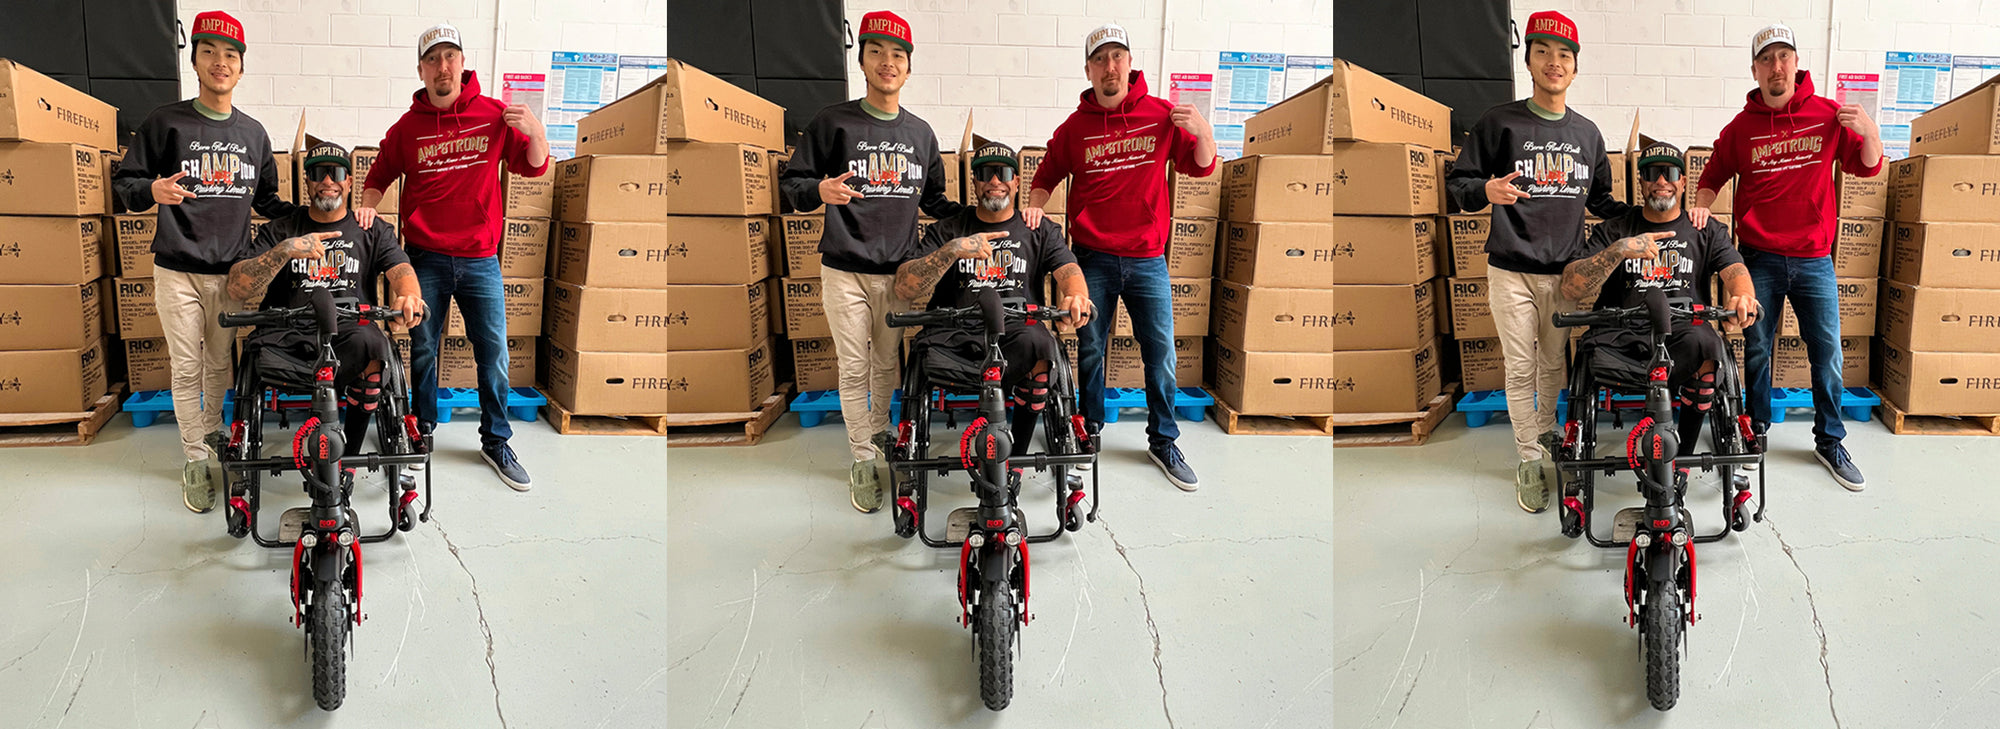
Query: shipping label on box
[[529, 197], [1857, 249], [523, 301], [1031, 160], [1481, 365], [51, 179], [644, 189], [1941, 383], [805, 312], [1946, 189], [1792, 367], [1863, 197], [36, 108], [65, 380], [136, 315], [1365, 251], [1471, 315], [1930, 319], [1299, 188], [1124, 365], [1857, 309], [50, 316], [524, 248], [801, 234], [51, 250], [363, 161], [1968, 124], [458, 367], [623, 255], [147, 366], [815, 366], [717, 250], [1351, 104], [1289, 383], [1191, 310], [1468, 234], [1191, 248], [593, 319], [1197, 197], [1952, 255]]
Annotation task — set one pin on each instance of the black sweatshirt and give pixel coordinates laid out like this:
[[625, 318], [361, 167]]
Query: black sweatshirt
[[1563, 168], [896, 167], [230, 170]]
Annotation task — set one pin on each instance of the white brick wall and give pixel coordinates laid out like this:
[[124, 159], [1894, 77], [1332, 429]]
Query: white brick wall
[[1684, 65], [1017, 65], [351, 65]]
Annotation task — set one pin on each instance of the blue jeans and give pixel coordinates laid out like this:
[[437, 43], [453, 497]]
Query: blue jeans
[[1142, 283], [475, 283], [1809, 283]]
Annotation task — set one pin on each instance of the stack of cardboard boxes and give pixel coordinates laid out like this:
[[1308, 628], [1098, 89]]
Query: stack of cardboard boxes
[[1940, 317], [661, 302], [54, 190]]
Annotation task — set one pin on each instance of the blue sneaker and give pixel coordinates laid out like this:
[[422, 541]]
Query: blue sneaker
[[501, 458], [1168, 458]]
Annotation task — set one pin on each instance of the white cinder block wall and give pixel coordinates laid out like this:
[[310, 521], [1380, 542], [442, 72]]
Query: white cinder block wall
[[351, 65], [1017, 65], [1684, 65]]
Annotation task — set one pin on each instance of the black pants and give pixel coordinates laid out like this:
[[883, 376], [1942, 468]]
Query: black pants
[[953, 356]]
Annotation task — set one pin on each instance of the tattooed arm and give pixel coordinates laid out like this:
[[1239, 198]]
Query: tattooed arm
[[1582, 277], [249, 276], [917, 276], [1740, 294], [1074, 294]]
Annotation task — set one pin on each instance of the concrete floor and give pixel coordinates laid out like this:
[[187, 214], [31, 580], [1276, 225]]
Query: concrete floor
[[1843, 609], [119, 608], [1210, 609]]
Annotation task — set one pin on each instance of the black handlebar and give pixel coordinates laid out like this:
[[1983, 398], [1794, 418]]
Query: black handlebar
[[1643, 316], [974, 317], [309, 315]]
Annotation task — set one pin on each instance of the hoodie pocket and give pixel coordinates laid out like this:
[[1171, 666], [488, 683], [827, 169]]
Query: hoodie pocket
[[1121, 221], [450, 220], [1784, 223]]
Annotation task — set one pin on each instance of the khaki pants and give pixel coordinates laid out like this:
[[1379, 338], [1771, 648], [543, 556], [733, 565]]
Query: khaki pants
[[197, 351], [865, 345], [1532, 347]]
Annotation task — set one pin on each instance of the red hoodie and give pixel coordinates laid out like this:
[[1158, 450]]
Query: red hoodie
[[1115, 161], [449, 161], [1781, 159]]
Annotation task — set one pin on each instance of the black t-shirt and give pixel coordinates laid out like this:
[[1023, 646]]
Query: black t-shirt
[[1694, 255], [1027, 255], [352, 261]]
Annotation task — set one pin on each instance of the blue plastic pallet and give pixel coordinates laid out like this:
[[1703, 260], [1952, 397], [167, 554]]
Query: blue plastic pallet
[[522, 404], [1190, 405], [1857, 404]]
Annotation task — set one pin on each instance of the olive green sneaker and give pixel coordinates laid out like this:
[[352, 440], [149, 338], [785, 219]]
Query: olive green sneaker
[[197, 491], [1550, 441], [1531, 490], [864, 487], [883, 442]]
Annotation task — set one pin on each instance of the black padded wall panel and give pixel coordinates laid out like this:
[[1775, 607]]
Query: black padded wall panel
[[714, 36], [802, 99], [1465, 39], [1469, 99], [133, 39], [45, 35], [135, 98], [799, 39], [1378, 35]]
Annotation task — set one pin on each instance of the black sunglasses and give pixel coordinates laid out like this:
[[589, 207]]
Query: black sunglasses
[[317, 173], [1652, 173], [985, 173]]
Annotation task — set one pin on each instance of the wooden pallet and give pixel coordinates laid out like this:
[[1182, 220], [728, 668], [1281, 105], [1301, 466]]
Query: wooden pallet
[[728, 429], [1394, 429], [1902, 423], [1236, 423], [61, 429], [568, 423]]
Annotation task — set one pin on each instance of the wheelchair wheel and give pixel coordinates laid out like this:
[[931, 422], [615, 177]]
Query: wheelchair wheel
[[245, 484], [1728, 439], [395, 441], [912, 484], [1062, 441], [1579, 485]]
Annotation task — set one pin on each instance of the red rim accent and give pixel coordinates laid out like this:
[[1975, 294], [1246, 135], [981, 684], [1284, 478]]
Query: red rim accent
[[356, 550], [1024, 580]]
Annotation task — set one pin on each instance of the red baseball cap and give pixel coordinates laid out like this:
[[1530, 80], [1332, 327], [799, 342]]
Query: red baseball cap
[[216, 25], [886, 26], [1550, 25]]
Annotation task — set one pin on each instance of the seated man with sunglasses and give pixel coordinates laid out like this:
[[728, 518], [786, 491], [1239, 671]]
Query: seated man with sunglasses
[[322, 246], [1658, 234], [990, 234]]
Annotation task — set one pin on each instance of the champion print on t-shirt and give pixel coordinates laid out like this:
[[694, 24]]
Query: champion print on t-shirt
[[887, 169], [219, 169], [1553, 169]]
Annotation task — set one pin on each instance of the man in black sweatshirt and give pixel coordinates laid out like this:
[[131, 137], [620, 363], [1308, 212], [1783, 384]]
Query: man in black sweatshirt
[[1540, 165], [207, 165], [874, 165]]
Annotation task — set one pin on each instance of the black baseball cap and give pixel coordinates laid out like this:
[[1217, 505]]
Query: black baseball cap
[[1663, 153], [326, 153], [996, 153]]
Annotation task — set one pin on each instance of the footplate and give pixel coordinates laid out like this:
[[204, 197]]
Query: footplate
[[959, 524], [1625, 524], [292, 523]]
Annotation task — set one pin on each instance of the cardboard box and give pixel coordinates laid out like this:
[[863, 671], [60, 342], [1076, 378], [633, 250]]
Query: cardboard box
[[523, 301], [109, 162], [136, 316], [1954, 255], [36, 108], [1125, 365], [1374, 179], [1352, 104], [1863, 197], [815, 366], [1697, 160], [1031, 160], [717, 250], [1857, 309], [1196, 197], [635, 189], [1356, 251], [1931, 319], [1468, 243], [696, 179], [51, 250], [801, 234], [1341, 318], [1946, 189], [1191, 248], [629, 255], [685, 104], [58, 316], [529, 197], [954, 178], [1471, 315], [363, 161], [1191, 309], [288, 181], [1857, 248], [1481, 365], [1305, 383], [1792, 367], [1940, 383], [524, 248], [459, 367], [1621, 180], [776, 162], [147, 366], [52, 380], [51, 179], [805, 312], [633, 383], [1968, 124], [595, 319], [1442, 162]]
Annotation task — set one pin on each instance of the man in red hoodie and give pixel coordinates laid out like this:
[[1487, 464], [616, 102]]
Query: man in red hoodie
[[447, 149], [1114, 149], [1781, 149]]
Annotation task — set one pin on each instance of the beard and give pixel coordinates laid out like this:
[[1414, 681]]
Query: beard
[[329, 203], [1662, 203], [995, 203]]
